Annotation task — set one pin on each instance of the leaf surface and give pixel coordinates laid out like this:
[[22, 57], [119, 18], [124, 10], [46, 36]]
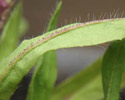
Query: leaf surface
[[10, 33], [92, 91], [112, 69]]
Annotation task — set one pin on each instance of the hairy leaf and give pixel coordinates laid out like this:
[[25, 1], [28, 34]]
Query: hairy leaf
[[45, 73], [18, 64], [112, 69], [53, 22]]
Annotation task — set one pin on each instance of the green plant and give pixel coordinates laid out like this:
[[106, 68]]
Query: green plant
[[40, 51]]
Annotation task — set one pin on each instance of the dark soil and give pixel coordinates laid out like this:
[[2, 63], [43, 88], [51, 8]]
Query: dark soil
[[122, 94], [20, 93]]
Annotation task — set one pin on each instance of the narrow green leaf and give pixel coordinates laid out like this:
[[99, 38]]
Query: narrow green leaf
[[45, 73], [18, 64], [73, 84], [41, 84], [112, 68], [123, 79], [23, 27], [10, 33], [53, 22]]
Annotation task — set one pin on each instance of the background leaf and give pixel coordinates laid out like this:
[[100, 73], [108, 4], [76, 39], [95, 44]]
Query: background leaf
[[112, 69], [45, 73], [92, 91], [23, 27], [73, 84], [54, 19], [10, 34], [43, 79]]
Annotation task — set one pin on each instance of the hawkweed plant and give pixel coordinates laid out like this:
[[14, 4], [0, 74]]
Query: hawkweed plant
[[101, 80]]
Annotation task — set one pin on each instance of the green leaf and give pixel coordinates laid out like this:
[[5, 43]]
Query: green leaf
[[18, 64], [23, 27], [45, 73], [10, 33], [43, 79], [53, 22], [92, 91], [73, 84], [112, 69], [123, 79]]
